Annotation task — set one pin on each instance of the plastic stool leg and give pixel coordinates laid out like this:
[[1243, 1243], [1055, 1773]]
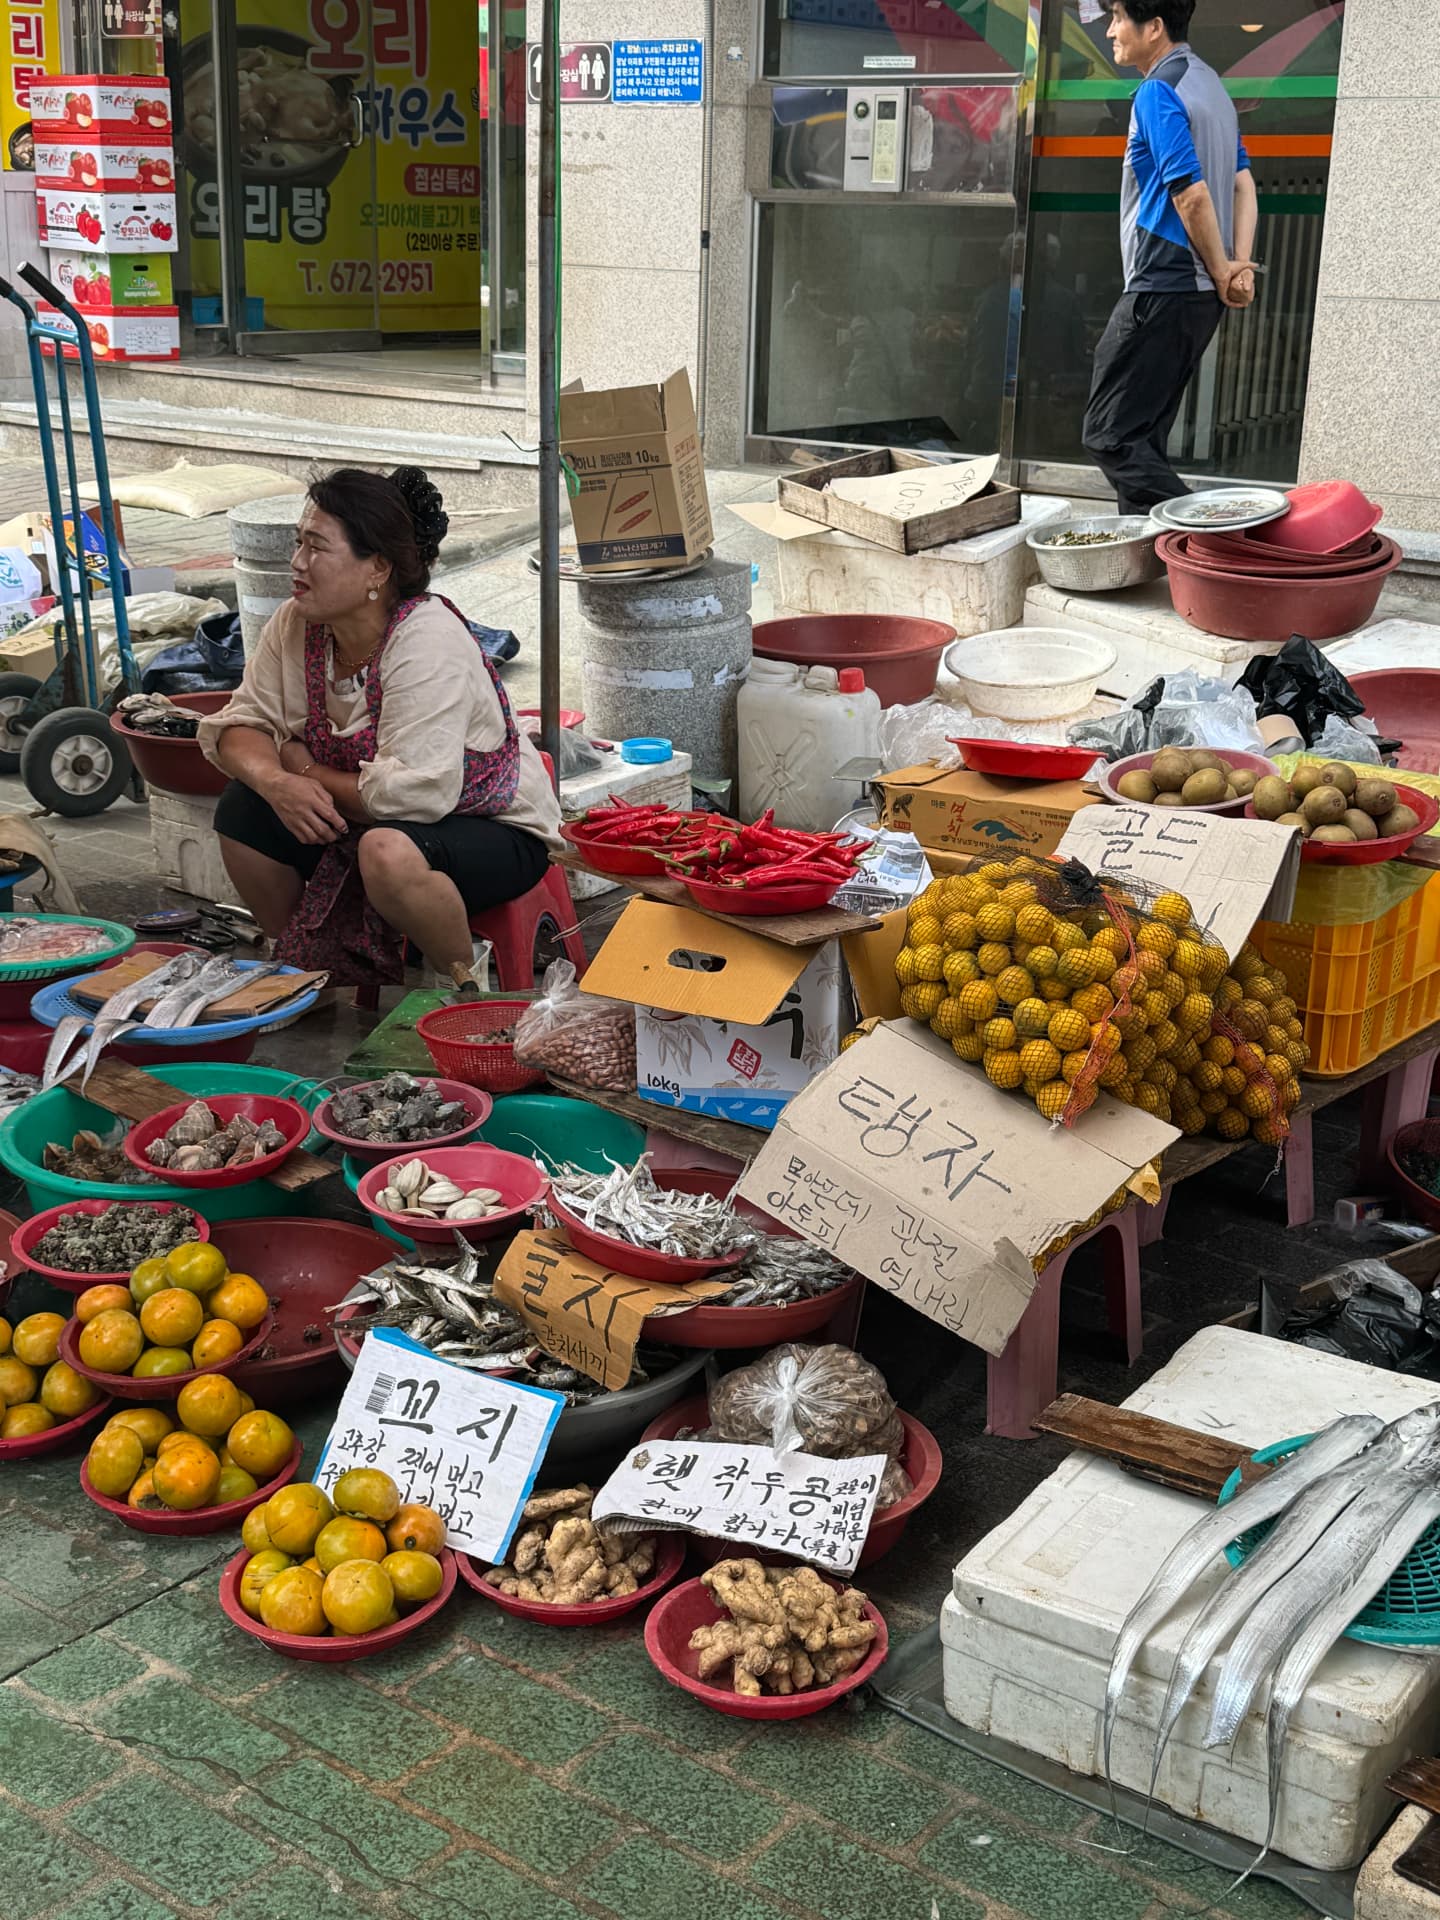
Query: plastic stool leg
[[1300, 1172], [1021, 1381], [1402, 1096], [367, 999], [1150, 1221], [1120, 1263]]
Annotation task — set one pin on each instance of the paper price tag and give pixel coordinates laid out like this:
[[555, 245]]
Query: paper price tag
[[583, 1314], [795, 1503], [466, 1444]]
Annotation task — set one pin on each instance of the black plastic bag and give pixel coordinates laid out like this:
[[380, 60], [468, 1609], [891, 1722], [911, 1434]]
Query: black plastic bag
[[1304, 684], [213, 661], [1373, 1314]]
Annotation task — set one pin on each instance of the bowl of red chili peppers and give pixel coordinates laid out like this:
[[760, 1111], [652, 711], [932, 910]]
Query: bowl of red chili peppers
[[639, 840]]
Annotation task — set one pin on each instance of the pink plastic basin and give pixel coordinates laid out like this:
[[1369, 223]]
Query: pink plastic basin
[[1324, 516], [1241, 606], [1404, 702], [899, 655]]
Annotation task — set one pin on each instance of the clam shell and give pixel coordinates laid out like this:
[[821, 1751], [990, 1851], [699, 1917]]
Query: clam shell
[[441, 1193]]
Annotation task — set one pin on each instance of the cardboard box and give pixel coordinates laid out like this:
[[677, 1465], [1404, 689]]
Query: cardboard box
[[971, 813], [911, 1168], [105, 222], [932, 523], [106, 281], [726, 1022], [96, 106], [110, 165], [636, 454], [119, 334]]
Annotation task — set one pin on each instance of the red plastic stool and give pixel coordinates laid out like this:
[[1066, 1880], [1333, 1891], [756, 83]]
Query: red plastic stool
[[513, 929], [1022, 1381]]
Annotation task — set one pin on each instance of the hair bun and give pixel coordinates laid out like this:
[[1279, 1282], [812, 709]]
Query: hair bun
[[427, 509]]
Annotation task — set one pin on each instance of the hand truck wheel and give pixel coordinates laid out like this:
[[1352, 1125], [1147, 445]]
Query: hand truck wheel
[[74, 763], [17, 690]]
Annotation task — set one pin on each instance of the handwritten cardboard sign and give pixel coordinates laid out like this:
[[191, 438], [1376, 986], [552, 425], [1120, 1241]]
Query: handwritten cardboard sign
[[1233, 872], [586, 1315], [919, 489], [464, 1443], [917, 1172], [793, 1503]]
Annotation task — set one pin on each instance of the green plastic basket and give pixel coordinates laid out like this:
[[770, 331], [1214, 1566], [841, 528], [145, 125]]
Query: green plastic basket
[[1405, 1612], [121, 941]]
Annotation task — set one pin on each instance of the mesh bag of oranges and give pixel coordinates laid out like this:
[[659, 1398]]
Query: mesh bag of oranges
[[1058, 985]]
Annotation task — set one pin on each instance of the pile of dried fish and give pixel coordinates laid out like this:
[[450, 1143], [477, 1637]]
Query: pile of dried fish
[[397, 1108], [88, 1157], [414, 1189], [153, 713], [445, 1305], [1348, 1507], [628, 1205], [199, 1143], [182, 989], [25, 942], [115, 1240], [16, 1088], [779, 1270]]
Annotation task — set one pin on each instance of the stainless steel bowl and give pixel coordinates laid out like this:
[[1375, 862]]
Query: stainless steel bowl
[[1129, 561]]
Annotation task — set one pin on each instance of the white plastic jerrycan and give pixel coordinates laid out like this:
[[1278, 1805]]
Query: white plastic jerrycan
[[797, 727]]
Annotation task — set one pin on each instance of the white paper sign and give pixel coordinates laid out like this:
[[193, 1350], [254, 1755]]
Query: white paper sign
[[464, 1443], [793, 1503], [914, 490]]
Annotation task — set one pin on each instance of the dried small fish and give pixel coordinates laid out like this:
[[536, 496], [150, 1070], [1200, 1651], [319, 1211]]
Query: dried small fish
[[397, 1108], [779, 1270], [628, 1205], [114, 1240]]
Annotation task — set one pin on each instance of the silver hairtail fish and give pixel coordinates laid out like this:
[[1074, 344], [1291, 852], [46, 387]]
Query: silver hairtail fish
[[1261, 1500], [113, 1020], [62, 1053], [205, 996], [187, 966]]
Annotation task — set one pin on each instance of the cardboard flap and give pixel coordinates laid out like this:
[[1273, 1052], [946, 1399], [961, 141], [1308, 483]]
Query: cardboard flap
[[628, 410], [768, 516], [917, 1172], [635, 964], [677, 402]]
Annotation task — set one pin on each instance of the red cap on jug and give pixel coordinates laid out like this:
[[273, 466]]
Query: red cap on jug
[[851, 680]]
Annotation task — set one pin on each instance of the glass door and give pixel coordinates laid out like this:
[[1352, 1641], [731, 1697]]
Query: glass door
[[502, 108]]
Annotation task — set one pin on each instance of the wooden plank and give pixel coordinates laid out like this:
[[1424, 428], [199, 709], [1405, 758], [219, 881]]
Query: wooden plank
[[132, 1095], [1417, 1781], [789, 929], [1157, 1450], [1420, 1862], [697, 1129]]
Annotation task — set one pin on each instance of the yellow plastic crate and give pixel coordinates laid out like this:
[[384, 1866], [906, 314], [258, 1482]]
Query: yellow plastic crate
[[1360, 986]]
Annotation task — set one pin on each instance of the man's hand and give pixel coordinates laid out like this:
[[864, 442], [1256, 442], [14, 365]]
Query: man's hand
[[306, 809], [1237, 288]]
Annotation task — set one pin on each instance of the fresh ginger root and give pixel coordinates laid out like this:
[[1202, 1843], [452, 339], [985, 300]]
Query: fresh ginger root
[[788, 1629], [560, 1557]]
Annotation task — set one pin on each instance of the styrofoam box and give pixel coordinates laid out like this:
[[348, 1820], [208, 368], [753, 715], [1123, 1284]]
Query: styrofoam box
[[667, 785], [975, 585], [1030, 1625], [183, 842]]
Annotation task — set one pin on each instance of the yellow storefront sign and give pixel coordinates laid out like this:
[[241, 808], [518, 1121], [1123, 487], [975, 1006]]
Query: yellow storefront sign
[[30, 48], [355, 194]]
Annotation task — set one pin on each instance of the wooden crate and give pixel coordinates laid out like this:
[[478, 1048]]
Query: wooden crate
[[803, 492]]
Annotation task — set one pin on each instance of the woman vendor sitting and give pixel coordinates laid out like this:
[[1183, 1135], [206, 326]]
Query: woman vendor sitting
[[380, 790]]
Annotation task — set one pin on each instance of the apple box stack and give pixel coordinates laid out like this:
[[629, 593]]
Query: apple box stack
[[105, 199]]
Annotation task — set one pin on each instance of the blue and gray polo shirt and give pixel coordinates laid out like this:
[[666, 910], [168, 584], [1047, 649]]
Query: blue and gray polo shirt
[[1183, 128]]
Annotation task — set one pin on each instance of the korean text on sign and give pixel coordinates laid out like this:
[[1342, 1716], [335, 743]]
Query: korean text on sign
[[468, 1445], [30, 49], [658, 72], [793, 1503]]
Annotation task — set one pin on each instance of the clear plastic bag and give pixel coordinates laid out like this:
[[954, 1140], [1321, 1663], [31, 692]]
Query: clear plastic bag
[[822, 1400], [578, 1036], [1184, 709], [1339, 740], [911, 736]]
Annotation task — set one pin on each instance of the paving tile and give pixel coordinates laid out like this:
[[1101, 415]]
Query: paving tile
[[1023, 1871], [622, 1678], [26, 1634], [52, 1568], [532, 1720], [187, 1629], [204, 1743], [511, 1810], [181, 1846], [83, 1671], [999, 1788], [527, 1643], [642, 1880], [810, 1765], [473, 1885], [116, 1900], [40, 1870], [345, 1719], [682, 1798], [1208, 1887], [291, 1893], [45, 1761], [848, 1882], [341, 1825]]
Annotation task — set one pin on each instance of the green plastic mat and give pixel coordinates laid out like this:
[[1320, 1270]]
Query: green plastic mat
[[394, 1046]]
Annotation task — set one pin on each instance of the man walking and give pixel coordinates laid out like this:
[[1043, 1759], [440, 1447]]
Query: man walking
[[1187, 224]]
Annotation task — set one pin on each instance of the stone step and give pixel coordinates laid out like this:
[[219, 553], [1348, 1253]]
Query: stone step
[[471, 472]]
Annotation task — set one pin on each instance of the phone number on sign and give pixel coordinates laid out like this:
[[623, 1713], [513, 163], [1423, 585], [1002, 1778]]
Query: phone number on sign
[[358, 276]]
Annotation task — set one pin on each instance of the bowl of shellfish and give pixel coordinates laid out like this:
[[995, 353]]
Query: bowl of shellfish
[[374, 1119], [222, 1141], [479, 1192]]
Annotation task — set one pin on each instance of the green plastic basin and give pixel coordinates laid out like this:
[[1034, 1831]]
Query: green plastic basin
[[56, 1116], [558, 1129]]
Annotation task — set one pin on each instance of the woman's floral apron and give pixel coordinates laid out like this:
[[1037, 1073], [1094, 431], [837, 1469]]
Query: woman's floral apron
[[335, 927]]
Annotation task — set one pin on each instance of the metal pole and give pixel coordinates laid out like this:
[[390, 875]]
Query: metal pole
[[549, 272]]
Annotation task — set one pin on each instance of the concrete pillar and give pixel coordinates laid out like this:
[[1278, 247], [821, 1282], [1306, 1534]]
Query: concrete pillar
[[1373, 406]]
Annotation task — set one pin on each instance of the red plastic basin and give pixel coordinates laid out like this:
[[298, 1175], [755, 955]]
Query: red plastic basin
[[518, 1181], [899, 655], [1422, 1136], [288, 1115], [229, 1513], [330, 1648], [1252, 607], [1404, 702], [29, 1234], [165, 1386], [369, 1153], [177, 766], [1371, 853], [30, 1446], [9, 1262], [1324, 516], [669, 1558]]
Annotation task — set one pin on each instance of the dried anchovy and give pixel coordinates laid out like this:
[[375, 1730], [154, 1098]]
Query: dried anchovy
[[88, 1157], [1073, 539], [115, 1240], [628, 1205], [781, 1270], [398, 1108]]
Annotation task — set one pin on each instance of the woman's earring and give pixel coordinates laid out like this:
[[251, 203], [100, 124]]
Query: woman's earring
[[374, 594]]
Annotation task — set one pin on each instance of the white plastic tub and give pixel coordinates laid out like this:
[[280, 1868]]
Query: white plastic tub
[[1029, 673]]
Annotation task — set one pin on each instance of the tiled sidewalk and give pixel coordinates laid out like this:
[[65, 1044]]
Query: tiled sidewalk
[[155, 1763]]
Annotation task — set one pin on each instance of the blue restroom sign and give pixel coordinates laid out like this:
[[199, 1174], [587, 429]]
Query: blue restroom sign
[[654, 73]]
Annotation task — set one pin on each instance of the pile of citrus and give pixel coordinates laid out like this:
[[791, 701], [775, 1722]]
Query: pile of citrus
[[37, 1390], [179, 1312], [344, 1563], [1039, 995], [218, 1447]]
